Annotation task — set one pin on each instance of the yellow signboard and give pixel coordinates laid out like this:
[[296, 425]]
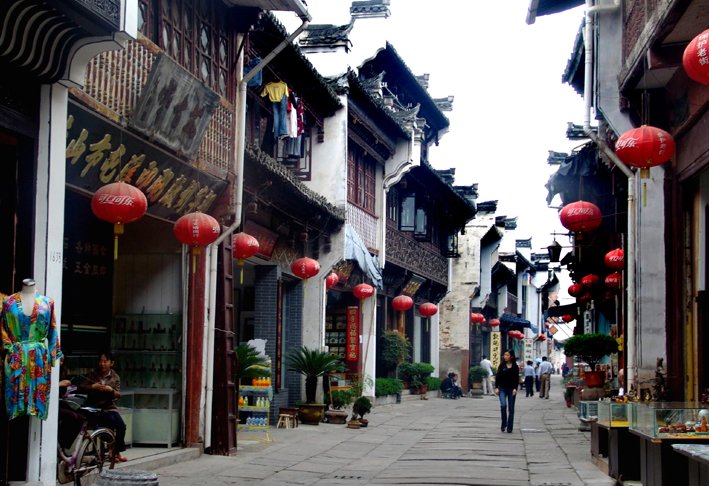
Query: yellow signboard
[[495, 349]]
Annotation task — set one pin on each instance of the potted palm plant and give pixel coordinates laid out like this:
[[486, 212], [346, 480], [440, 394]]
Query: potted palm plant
[[312, 364], [591, 348], [250, 364]]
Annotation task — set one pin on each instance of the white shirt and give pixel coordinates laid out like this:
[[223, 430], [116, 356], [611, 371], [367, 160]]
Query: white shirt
[[487, 365], [545, 367]]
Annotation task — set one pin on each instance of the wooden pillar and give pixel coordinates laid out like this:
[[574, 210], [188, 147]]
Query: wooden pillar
[[195, 353]]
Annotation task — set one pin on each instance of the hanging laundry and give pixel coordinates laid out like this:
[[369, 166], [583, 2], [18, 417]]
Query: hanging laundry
[[277, 92], [257, 80]]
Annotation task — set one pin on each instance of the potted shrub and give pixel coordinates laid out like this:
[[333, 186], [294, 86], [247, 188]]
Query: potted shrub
[[338, 400], [476, 374], [591, 348], [415, 374], [360, 408], [312, 364], [395, 350]]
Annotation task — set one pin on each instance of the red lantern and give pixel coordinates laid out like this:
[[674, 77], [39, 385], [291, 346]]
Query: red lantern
[[305, 268], [568, 318], [590, 281], [580, 216], [428, 309], [696, 58], [331, 280], [476, 318], [585, 298], [542, 337], [119, 203], [615, 259], [494, 322], [402, 303], [575, 290], [363, 291], [645, 147], [196, 230], [614, 280], [244, 246]]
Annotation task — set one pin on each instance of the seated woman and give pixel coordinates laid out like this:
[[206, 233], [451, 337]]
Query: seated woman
[[449, 387], [103, 387]]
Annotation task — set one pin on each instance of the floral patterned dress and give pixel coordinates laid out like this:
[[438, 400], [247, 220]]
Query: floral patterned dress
[[32, 347]]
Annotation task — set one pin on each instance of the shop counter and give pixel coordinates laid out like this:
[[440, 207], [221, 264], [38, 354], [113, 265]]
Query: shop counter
[[697, 462], [155, 417]]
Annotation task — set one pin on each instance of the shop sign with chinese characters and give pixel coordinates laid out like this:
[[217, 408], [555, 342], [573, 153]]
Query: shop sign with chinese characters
[[352, 333], [99, 152], [495, 348]]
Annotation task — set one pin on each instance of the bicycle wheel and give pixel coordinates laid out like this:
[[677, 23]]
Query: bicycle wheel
[[96, 453]]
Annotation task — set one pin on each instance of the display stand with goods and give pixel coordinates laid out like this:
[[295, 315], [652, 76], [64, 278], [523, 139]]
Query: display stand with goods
[[255, 409]]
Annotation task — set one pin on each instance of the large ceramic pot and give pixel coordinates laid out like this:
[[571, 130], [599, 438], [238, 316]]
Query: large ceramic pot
[[311, 413], [594, 379], [336, 416]]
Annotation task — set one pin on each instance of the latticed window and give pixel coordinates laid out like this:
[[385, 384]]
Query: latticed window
[[361, 179], [194, 33]]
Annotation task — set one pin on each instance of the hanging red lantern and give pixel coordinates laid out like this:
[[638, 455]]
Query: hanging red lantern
[[542, 337], [305, 268], [243, 246], [494, 322], [580, 216], [402, 303], [363, 291], [477, 318], [119, 203], [428, 309], [615, 259], [575, 290], [585, 298], [614, 280], [331, 280], [590, 281], [567, 318], [196, 230], [645, 146], [695, 59]]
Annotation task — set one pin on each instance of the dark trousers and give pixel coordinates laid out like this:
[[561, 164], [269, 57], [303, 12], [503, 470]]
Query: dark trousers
[[507, 408], [111, 419], [529, 385]]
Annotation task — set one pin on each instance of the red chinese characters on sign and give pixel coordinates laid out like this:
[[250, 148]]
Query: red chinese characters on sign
[[352, 333]]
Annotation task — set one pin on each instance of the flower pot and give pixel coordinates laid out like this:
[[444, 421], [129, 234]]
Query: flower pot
[[311, 413], [336, 417], [594, 379], [363, 422]]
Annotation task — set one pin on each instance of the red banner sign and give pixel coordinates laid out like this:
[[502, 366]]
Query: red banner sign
[[352, 333]]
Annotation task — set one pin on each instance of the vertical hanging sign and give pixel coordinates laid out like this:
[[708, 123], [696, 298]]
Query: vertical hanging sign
[[495, 346], [352, 333]]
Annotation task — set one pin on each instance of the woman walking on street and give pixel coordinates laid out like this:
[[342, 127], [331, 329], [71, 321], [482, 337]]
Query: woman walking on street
[[506, 383]]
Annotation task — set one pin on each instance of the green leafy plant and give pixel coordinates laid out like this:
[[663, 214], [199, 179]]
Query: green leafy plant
[[387, 386], [395, 349], [339, 399], [362, 406], [590, 348], [312, 364], [476, 374], [250, 364], [433, 382], [415, 373]]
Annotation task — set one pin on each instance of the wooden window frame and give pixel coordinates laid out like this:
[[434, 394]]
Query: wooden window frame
[[361, 180]]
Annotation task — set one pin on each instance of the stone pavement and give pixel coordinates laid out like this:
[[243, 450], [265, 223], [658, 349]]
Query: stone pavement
[[418, 442]]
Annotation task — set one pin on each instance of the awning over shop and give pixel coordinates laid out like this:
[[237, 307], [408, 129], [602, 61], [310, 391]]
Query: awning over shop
[[355, 249]]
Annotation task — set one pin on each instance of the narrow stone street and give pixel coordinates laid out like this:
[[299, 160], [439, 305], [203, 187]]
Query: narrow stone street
[[453, 442]]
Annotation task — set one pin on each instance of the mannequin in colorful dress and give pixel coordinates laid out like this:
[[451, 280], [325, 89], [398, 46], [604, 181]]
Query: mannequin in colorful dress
[[31, 342]]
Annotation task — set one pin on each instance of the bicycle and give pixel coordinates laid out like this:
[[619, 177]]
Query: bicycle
[[91, 450]]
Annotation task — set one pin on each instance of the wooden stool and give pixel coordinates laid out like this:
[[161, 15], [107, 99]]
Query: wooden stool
[[291, 412], [285, 421]]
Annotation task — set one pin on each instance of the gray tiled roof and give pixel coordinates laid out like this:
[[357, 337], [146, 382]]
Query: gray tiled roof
[[326, 35]]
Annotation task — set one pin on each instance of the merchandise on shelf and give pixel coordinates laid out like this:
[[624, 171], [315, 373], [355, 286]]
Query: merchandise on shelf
[[670, 420]]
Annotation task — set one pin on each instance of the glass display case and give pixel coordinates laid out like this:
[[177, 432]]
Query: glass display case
[[613, 414], [588, 410], [670, 420]]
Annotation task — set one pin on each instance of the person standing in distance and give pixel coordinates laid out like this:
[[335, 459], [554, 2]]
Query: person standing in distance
[[545, 369], [506, 383], [487, 384], [529, 378]]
